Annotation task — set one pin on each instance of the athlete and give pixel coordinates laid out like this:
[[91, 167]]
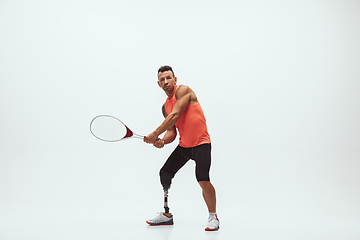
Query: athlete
[[182, 111]]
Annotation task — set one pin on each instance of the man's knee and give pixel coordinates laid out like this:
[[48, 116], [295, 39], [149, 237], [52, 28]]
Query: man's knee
[[206, 185]]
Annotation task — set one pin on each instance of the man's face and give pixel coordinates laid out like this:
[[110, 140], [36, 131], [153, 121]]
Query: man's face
[[167, 81]]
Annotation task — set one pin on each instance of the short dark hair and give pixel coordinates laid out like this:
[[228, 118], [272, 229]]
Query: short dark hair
[[166, 68]]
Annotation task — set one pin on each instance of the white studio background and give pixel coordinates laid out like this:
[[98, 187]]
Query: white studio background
[[279, 85]]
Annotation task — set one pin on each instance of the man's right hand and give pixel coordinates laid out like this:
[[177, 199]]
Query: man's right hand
[[159, 143]]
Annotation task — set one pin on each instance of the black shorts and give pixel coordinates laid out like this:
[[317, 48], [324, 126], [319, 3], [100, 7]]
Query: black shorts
[[200, 154]]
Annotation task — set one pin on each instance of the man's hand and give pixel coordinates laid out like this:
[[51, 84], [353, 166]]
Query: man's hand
[[159, 143], [151, 138]]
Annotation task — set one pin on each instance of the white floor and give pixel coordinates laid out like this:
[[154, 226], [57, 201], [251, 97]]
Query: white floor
[[46, 223], [95, 199]]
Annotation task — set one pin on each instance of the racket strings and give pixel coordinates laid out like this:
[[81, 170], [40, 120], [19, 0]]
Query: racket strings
[[110, 129]]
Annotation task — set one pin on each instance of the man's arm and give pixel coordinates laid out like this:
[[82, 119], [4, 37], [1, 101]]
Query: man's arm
[[169, 136], [184, 96]]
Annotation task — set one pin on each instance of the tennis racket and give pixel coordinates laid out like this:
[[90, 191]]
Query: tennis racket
[[110, 129]]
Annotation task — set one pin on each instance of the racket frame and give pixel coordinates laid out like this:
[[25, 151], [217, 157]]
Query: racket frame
[[129, 132]]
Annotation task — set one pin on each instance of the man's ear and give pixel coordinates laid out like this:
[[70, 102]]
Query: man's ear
[[175, 78], [158, 83]]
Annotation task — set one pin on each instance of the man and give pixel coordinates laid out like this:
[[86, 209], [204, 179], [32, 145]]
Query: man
[[183, 112]]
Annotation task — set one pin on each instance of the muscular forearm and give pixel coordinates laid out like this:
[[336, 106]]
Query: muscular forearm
[[169, 137], [169, 122]]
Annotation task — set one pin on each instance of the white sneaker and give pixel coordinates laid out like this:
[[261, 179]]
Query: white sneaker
[[161, 219], [213, 224]]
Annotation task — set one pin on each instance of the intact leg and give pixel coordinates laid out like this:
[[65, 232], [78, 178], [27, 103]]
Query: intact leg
[[202, 157], [209, 195]]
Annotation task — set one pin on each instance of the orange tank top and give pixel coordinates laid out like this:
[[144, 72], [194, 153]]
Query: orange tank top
[[191, 125]]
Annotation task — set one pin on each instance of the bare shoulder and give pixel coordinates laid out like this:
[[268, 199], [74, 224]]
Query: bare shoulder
[[184, 90]]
